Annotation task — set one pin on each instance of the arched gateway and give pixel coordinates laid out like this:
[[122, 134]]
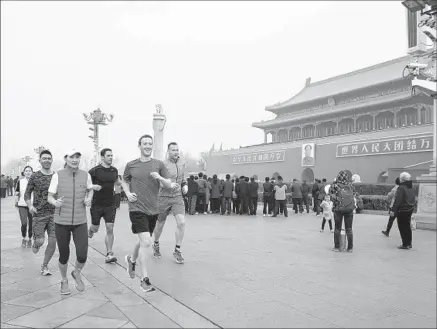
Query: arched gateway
[[308, 175]]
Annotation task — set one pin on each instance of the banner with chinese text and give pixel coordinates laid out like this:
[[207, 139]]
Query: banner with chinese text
[[259, 157], [386, 146]]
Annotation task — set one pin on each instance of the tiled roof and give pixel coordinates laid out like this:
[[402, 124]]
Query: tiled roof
[[369, 76]]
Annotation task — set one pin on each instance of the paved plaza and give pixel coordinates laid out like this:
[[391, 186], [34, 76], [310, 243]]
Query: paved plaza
[[240, 271]]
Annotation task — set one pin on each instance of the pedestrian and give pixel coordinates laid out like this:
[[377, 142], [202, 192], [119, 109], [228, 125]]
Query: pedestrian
[[296, 195], [42, 211], [215, 195], [391, 198], [237, 196], [3, 186], [228, 189], [306, 200], [201, 196], [342, 195], [10, 183], [403, 209], [73, 188], [207, 193], [280, 198], [141, 181], [267, 197], [170, 201], [245, 195], [26, 217], [253, 196], [327, 213], [104, 176]]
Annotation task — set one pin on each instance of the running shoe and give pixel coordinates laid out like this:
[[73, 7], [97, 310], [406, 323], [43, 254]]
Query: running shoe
[[130, 266], [178, 257], [65, 290], [146, 286], [110, 258], [29, 243], [156, 252], [45, 270], [90, 233], [79, 285], [35, 249], [23, 243]]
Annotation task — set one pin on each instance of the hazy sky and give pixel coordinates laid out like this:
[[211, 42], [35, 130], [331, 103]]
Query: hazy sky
[[213, 66]]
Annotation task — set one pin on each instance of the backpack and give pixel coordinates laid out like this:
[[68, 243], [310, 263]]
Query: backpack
[[345, 198], [202, 186]]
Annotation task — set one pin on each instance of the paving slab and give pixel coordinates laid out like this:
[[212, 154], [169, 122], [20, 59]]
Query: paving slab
[[240, 271]]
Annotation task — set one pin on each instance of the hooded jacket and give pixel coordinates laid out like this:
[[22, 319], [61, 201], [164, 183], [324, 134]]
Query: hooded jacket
[[342, 179], [405, 199]]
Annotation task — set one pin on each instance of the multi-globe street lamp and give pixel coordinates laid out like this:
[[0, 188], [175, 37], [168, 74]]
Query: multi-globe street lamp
[[97, 118]]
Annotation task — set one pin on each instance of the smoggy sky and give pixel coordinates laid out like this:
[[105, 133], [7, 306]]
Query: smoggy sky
[[213, 66]]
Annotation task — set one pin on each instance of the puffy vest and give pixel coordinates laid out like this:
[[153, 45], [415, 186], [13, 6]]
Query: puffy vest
[[71, 186]]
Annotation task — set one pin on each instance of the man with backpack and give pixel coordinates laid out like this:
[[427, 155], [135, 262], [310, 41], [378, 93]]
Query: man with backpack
[[342, 194]]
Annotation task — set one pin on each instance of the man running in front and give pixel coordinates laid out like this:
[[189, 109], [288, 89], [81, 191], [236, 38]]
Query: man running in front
[[41, 210], [171, 201], [141, 180], [104, 177]]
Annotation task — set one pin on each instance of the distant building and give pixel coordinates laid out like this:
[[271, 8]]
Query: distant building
[[367, 121]]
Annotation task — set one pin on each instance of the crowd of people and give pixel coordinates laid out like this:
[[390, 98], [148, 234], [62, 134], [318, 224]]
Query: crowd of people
[[55, 203]]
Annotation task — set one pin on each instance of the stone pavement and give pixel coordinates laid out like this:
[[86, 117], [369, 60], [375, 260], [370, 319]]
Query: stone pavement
[[240, 271]]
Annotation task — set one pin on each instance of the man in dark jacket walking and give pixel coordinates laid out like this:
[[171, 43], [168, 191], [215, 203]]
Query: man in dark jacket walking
[[244, 195], [193, 189], [268, 197], [305, 195], [403, 208], [228, 188], [296, 195], [253, 194]]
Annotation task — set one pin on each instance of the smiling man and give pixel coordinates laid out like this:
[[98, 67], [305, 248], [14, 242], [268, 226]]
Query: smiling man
[[41, 210], [141, 181]]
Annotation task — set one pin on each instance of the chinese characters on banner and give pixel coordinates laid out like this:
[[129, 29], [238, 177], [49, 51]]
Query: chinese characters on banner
[[389, 146], [259, 157]]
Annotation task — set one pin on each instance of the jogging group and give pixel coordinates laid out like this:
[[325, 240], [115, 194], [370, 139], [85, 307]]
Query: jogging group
[[56, 203]]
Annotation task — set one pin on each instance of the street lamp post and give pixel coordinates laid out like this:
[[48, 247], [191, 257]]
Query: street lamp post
[[95, 119], [427, 198]]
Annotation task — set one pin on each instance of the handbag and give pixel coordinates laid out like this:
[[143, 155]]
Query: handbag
[[413, 223]]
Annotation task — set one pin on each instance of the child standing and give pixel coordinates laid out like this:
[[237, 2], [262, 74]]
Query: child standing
[[327, 213]]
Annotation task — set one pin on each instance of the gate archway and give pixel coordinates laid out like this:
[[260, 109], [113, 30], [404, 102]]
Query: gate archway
[[308, 175]]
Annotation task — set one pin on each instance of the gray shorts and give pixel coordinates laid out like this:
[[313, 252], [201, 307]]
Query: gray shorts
[[170, 205]]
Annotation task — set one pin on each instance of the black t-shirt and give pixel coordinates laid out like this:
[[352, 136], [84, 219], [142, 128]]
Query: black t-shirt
[[106, 178]]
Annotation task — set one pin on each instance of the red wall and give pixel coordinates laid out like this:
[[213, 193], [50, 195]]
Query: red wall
[[327, 165]]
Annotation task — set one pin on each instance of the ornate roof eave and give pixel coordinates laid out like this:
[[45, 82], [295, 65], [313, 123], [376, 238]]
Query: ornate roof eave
[[335, 109], [279, 107]]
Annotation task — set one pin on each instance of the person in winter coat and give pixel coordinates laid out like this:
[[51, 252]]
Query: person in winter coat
[[391, 196], [215, 195], [268, 197], [296, 195], [403, 208], [244, 195], [306, 195], [253, 195], [237, 199], [342, 195], [228, 188], [193, 189], [280, 198]]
